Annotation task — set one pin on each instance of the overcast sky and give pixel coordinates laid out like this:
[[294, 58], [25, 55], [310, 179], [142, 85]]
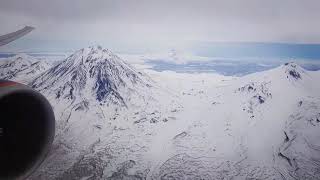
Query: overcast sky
[[144, 24]]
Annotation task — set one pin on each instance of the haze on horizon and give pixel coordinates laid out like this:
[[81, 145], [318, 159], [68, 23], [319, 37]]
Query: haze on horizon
[[142, 25]]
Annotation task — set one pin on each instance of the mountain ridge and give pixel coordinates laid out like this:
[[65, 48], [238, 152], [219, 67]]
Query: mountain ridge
[[22, 67]]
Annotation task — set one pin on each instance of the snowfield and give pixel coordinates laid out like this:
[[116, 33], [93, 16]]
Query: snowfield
[[115, 122]]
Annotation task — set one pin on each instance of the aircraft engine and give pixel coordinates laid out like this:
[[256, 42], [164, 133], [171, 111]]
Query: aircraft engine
[[27, 128]]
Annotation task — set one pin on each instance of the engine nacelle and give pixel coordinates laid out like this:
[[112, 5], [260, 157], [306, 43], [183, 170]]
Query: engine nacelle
[[27, 128]]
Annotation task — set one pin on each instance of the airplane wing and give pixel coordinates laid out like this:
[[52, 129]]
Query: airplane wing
[[5, 39]]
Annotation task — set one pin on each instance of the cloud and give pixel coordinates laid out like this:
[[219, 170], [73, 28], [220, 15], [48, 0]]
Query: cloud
[[142, 23]]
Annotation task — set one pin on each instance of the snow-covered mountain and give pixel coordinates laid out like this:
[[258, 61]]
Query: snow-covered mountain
[[22, 67], [283, 105], [97, 96], [114, 122], [260, 126], [92, 72]]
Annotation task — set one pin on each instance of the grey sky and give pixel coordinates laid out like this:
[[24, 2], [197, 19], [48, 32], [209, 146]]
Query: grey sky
[[149, 23]]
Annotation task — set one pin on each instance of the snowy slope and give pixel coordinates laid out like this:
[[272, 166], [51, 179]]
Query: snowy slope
[[22, 67], [261, 126], [98, 98], [114, 122]]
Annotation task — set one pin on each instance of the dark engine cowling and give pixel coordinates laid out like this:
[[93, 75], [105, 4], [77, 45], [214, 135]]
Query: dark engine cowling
[[27, 128]]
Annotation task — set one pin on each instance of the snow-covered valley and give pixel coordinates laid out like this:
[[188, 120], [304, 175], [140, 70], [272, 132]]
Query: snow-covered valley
[[117, 122]]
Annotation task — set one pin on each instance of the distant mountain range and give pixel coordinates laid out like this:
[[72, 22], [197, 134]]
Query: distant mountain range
[[22, 67]]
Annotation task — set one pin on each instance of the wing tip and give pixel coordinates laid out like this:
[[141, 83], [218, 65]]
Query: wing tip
[[29, 28]]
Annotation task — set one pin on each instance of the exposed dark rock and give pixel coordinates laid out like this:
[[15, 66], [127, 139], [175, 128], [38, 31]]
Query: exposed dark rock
[[286, 137], [181, 135], [261, 99], [153, 120], [295, 74], [285, 157]]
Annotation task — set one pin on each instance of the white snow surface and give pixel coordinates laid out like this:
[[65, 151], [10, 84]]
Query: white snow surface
[[22, 68], [115, 122]]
